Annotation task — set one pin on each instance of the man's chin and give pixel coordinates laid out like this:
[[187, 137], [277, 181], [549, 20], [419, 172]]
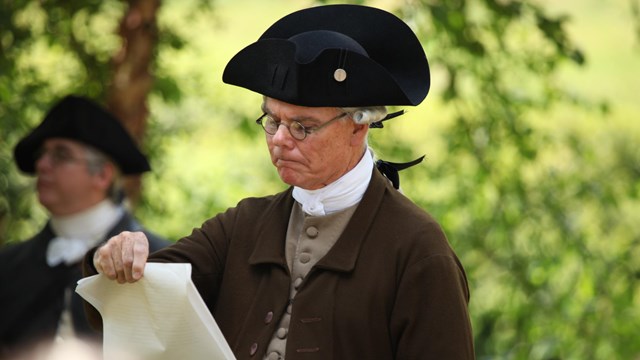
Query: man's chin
[[45, 201], [288, 177]]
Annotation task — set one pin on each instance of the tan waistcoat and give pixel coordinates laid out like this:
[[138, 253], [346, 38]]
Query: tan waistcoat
[[309, 238]]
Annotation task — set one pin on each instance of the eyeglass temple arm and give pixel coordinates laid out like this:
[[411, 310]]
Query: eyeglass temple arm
[[259, 119]]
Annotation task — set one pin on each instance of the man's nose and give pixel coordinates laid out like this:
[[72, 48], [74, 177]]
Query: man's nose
[[282, 135], [43, 160]]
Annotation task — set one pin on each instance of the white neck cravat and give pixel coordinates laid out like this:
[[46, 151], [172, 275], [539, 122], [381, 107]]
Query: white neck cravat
[[77, 233], [340, 194]]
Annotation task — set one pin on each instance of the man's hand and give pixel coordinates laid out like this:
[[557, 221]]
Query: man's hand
[[123, 257]]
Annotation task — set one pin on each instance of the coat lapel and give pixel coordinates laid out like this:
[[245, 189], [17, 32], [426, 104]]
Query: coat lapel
[[343, 255], [272, 231]]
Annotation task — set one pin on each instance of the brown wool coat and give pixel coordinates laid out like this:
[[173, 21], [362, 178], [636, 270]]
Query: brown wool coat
[[390, 288]]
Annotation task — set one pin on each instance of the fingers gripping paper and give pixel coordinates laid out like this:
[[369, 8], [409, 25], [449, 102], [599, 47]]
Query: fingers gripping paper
[[160, 317]]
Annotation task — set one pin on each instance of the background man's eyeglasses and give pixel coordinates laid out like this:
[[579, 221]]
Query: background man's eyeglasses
[[58, 156]]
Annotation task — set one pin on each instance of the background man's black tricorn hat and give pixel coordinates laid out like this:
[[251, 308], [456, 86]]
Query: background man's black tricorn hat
[[80, 119], [335, 55]]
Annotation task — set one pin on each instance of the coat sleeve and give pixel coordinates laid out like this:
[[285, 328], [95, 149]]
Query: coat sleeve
[[430, 318], [205, 249]]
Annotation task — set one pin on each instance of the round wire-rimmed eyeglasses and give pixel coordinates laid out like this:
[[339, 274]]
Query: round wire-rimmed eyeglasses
[[296, 129]]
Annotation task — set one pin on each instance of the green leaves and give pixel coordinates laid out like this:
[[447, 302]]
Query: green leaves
[[535, 180]]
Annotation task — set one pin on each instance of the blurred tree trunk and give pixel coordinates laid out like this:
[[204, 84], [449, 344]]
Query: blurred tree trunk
[[131, 78]]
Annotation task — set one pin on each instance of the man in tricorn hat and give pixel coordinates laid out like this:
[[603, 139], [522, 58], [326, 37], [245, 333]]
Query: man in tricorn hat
[[341, 265], [77, 154]]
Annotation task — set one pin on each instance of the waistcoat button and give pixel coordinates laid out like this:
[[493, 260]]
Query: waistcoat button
[[281, 333], [305, 258], [312, 231]]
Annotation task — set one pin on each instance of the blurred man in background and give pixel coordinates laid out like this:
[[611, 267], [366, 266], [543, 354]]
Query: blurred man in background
[[78, 154]]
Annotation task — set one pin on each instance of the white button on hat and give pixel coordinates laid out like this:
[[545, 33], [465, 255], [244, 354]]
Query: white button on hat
[[340, 75]]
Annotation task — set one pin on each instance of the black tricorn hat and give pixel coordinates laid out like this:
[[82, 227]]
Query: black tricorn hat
[[335, 55], [80, 119]]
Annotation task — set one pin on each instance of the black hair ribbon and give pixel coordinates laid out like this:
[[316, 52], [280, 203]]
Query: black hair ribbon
[[390, 169]]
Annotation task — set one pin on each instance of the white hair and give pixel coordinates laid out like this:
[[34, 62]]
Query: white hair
[[366, 114], [96, 161]]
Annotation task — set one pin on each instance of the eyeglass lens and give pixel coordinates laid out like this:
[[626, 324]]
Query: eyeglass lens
[[58, 155], [271, 126]]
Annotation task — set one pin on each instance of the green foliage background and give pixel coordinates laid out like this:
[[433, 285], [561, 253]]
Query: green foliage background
[[530, 132]]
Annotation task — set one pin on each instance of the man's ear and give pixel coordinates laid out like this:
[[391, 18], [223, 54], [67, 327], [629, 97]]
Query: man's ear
[[106, 176], [359, 134]]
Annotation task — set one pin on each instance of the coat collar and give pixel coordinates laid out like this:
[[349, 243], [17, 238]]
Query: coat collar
[[343, 255], [126, 223]]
